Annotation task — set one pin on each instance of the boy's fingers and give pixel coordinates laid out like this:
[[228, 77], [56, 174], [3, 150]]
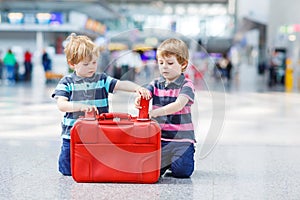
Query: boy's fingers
[[96, 110], [93, 108]]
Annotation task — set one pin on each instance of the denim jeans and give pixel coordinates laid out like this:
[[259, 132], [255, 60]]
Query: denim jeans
[[10, 73], [178, 157], [64, 161]]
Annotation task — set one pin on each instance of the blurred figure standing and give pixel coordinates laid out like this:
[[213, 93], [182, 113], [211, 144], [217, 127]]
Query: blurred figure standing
[[28, 65], [10, 63], [1, 67], [127, 64], [273, 68], [226, 66], [46, 61]]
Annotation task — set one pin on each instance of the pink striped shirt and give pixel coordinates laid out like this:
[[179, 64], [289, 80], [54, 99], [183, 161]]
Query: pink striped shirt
[[177, 126]]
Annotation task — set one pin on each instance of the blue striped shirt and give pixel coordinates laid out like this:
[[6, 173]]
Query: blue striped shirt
[[92, 91]]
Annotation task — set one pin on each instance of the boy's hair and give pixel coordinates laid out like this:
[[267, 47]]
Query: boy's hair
[[80, 48], [175, 47]]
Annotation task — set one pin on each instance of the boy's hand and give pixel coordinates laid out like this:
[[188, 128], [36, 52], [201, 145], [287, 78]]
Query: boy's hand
[[154, 113], [137, 102], [157, 112], [88, 108], [144, 92]]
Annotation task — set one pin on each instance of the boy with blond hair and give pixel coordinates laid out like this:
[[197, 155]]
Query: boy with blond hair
[[84, 90]]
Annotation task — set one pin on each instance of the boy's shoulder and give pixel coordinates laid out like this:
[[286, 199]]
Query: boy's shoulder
[[72, 78], [101, 75], [67, 78], [105, 77], [187, 80]]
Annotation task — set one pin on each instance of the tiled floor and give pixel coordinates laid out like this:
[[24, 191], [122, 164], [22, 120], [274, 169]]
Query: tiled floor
[[248, 146]]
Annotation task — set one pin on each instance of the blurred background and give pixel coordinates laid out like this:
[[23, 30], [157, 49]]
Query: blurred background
[[244, 62], [255, 33]]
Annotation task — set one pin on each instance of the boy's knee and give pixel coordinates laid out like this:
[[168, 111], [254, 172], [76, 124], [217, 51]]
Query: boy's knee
[[64, 168], [65, 173], [64, 163], [183, 167], [182, 172]]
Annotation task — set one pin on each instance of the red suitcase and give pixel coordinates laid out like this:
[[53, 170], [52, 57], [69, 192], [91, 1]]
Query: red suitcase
[[115, 147]]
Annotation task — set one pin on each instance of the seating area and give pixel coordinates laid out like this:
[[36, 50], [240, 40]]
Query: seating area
[[51, 76]]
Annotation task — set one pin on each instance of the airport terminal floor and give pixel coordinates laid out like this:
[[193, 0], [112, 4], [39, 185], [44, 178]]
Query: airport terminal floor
[[247, 146]]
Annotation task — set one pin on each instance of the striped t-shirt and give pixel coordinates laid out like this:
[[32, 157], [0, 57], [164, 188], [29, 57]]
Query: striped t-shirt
[[177, 126], [92, 91]]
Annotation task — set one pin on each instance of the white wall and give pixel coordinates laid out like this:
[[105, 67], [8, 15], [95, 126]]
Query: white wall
[[256, 10], [23, 39], [26, 40], [282, 13], [19, 42]]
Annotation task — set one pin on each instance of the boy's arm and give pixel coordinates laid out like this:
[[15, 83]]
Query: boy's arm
[[66, 106], [129, 86], [171, 108]]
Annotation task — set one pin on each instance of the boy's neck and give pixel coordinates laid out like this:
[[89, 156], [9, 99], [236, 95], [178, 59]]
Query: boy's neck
[[168, 81]]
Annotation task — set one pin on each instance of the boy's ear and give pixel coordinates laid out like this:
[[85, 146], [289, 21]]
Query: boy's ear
[[184, 64], [71, 65]]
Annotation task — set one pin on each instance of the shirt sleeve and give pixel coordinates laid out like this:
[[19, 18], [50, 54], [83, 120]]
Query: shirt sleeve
[[110, 83], [188, 91], [62, 89], [150, 87]]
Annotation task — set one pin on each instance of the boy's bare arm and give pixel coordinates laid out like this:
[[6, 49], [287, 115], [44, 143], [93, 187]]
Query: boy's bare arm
[[171, 108], [66, 106], [129, 86]]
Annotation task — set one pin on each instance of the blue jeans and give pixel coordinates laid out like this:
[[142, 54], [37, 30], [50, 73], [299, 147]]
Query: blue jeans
[[178, 157], [64, 161], [10, 73]]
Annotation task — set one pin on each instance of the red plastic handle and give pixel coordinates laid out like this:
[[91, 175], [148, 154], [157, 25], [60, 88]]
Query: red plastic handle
[[143, 112], [114, 115]]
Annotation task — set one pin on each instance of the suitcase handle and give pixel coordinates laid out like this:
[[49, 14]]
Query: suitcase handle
[[91, 115], [103, 116], [143, 112]]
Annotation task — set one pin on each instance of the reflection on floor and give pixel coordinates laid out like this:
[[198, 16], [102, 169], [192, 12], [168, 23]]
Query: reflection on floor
[[248, 145]]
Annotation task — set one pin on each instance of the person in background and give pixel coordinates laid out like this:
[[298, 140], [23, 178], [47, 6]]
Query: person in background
[[229, 66], [226, 66], [46, 61], [275, 62], [129, 62], [84, 90], [10, 63], [1, 67], [172, 98], [28, 65]]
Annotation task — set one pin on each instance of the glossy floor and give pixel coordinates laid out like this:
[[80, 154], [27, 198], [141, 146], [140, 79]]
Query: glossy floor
[[248, 146]]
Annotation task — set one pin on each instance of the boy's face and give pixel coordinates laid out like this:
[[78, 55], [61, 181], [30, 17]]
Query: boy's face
[[169, 67], [86, 68]]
